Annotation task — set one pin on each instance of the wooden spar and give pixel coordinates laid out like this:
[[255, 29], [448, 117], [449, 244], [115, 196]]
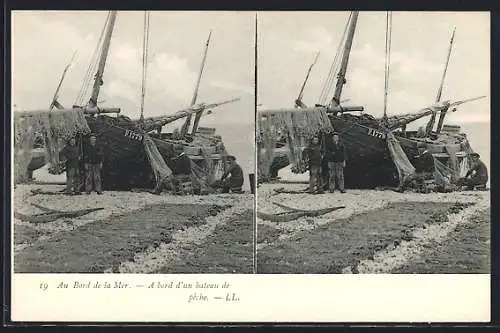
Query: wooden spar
[[335, 109], [298, 101], [443, 114], [95, 110], [198, 115], [145, 44], [345, 59], [102, 61], [185, 126], [396, 122], [152, 123], [431, 122], [54, 102]]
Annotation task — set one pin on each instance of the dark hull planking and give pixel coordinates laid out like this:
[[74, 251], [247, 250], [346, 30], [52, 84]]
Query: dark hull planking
[[368, 160]]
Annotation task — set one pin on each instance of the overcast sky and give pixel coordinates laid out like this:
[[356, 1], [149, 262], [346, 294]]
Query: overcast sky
[[288, 41], [44, 41]]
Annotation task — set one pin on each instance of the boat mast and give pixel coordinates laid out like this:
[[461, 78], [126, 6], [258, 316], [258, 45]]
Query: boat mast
[[298, 101], [199, 114], [55, 103], [102, 61], [438, 97], [345, 60], [186, 124]]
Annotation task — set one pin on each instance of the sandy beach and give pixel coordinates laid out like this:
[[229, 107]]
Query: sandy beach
[[376, 232], [135, 232]]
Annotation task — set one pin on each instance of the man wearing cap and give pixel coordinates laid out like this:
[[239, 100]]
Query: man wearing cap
[[477, 174], [335, 155], [72, 155], [235, 181], [93, 160], [424, 167]]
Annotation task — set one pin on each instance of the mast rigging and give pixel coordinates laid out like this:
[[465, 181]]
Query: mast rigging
[[345, 60], [388, 39], [431, 122], [440, 90], [298, 101], [55, 102], [186, 124], [327, 86], [145, 48], [102, 61]]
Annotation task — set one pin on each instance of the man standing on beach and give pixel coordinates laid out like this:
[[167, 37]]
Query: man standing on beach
[[336, 156], [478, 173], [235, 182], [93, 164], [314, 156], [72, 155]]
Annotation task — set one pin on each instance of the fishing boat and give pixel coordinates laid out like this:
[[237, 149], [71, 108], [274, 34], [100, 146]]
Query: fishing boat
[[127, 163], [369, 160]]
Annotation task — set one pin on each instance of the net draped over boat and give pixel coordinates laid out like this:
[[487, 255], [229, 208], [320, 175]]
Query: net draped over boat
[[160, 169], [296, 126], [403, 165], [56, 127]]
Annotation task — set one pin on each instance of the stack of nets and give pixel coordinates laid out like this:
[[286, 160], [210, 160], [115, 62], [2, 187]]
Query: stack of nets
[[403, 165], [296, 126], [161, 171], [56, 127]]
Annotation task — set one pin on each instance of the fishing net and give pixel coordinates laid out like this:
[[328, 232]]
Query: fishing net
[[201, 177], [160, 169], [444, 175], [463, 167], [55, 127], [403, 165], [295, 127]]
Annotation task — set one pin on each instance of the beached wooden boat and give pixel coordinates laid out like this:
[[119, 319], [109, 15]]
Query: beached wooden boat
[[126, 164], [369, 162]]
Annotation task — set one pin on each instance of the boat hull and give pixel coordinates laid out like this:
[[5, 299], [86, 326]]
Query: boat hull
[[368, 160]]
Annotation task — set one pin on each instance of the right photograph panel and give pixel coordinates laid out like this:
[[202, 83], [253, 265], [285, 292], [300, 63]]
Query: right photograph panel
[[373, 142]]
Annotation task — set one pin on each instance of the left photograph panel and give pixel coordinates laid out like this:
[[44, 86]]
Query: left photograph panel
[[133, 142]]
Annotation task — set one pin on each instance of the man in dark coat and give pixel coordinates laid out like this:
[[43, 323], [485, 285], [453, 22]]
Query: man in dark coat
[[424, 167], [235, 181], [71, 153], [93, 159], [314, 155], [336, 156], [477, 174]]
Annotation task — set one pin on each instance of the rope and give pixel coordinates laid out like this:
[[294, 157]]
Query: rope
[[92, 65], [388, 38], [145, 44], [333, 68]]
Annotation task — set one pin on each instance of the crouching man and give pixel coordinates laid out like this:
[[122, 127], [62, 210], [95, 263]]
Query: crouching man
[[477, 176], [234, 182]]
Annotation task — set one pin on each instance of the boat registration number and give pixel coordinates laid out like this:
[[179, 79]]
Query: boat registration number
[[133, 135], [375, 133]]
